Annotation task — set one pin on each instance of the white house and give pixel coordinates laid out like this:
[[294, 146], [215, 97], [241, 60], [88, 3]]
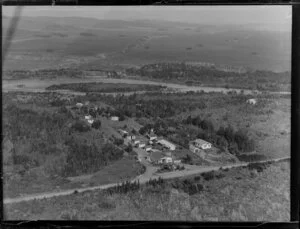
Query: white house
[[167, 144], [90, 121], [130, 137], [252, 101], [114, 118], [148, 148], [152, 136], [164, 160], [200, 143], [88, 117], [136, 141], [141, 145], [79, 105], [177, 162]]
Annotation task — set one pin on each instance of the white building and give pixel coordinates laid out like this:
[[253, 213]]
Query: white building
[[114, 118], [148, 148], [252, 101], [88, 117], [90, 121], [164, 160], [167, 144], [200, 143], [79, 105]]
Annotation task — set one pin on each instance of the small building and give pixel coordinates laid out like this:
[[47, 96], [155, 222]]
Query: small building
[[167, 144], [202, 144], [252, 101], [114, 118], [131, 137], [193, 148], [124, 133], [148, 148], [141, 144], [88, 117], [79, 105], [177, 162], [165, 160], [90, 121], [152, 136]]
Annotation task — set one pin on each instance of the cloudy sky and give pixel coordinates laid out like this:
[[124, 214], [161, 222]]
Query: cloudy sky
[[274, 16]]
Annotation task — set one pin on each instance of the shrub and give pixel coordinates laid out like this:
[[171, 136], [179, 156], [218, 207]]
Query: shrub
[[96, 124], [81, 126], [208, 176]]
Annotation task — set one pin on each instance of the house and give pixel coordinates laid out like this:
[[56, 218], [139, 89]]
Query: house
[[114, 118], [200, 143], [136, 141], [148, 148], [167, 144], [141, 144], [130, 137], [88, 117], [165, 160], [124, 133], [193, 148], [152, 136], [79, 105], [252, 101], [90, 121]]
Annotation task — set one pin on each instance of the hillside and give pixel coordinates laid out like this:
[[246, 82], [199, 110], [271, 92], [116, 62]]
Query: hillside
[[241, 194]]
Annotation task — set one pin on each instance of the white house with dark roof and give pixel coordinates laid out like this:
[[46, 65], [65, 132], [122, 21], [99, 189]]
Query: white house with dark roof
[[202, 144]]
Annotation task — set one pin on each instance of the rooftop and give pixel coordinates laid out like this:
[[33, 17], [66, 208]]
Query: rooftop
[[201, 141]]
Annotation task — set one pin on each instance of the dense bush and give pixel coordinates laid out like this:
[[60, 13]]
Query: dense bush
[[81, 126], [96, 124]]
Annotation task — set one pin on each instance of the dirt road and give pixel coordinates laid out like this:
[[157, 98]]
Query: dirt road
[[142, 179]]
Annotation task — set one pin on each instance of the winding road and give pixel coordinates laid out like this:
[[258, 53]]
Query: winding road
[[142, 179]]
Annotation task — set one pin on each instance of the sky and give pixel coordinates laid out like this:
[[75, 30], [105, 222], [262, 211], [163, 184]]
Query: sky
[[216, 15]]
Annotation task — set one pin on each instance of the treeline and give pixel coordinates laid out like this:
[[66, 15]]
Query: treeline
[[42, 73], [224, 137], [195, 75], [155, 107], [105, 87]]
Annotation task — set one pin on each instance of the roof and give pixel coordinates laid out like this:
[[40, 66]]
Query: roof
[[165, 142], [152, 134], [155, 156], [201, 141]]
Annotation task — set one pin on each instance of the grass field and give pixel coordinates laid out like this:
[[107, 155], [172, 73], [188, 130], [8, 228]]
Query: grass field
[[238, 195]]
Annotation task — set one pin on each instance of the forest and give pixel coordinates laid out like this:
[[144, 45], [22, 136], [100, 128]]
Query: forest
[[55, 142], [211, 76]]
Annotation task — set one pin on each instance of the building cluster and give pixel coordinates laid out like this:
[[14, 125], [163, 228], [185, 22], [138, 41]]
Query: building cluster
[[199, 146], [92, 108]]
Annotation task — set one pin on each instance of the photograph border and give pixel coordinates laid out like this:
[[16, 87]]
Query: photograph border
[[295, 127]]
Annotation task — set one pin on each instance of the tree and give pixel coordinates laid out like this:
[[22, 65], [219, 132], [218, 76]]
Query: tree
[[80, 126], [96, 124]]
